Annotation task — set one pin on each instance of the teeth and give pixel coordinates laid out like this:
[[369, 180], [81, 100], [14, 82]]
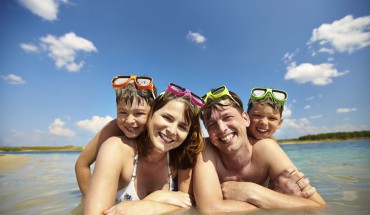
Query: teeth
[[228, 137], [165, 138], [130, 128], [262, 130]]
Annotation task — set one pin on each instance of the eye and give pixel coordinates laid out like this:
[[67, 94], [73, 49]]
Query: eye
[[167, 118], [140, 114], [183, 127], [273, 118], [228, 117]]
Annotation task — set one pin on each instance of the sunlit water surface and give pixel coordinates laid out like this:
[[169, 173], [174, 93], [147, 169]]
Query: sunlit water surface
[[340, 171]]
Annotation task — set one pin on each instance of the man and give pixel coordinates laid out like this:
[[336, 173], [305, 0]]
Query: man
[[230, 172]]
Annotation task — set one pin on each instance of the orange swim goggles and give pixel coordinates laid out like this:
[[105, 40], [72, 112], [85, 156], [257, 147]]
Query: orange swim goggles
[[142, 82]]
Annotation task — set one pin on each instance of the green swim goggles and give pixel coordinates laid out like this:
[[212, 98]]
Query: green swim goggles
[[258, 94], [218, 93]]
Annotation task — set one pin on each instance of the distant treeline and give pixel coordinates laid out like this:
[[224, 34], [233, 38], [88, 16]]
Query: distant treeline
[[337, 135], [41, 148]]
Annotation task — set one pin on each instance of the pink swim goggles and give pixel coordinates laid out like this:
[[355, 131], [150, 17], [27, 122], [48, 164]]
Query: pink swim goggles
[[180, 91]]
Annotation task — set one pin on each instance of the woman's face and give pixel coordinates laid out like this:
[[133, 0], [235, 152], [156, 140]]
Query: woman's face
[[168, 127], [131, 118]]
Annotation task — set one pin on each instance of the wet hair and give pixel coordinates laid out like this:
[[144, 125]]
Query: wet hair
[[269, 101], [129, 92], [222, 102], [183, 156]]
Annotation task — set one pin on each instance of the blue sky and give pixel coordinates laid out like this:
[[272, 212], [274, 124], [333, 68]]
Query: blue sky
[[57, 60]]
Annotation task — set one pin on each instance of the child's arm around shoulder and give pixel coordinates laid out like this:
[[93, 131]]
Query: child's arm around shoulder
[[277, 161]]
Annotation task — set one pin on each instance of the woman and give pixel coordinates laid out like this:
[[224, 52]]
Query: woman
[[145, 168]]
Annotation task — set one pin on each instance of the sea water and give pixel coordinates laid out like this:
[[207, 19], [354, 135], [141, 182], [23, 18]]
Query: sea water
[[340, 171]]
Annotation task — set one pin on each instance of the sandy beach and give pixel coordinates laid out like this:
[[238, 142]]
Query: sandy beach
[[12, 162]]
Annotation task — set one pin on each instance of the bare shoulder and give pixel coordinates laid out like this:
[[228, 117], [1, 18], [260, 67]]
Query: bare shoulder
[[118, 145], [265, 145]]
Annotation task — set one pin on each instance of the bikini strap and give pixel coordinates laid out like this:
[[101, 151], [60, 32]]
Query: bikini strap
[[169, 169], [136, 160]]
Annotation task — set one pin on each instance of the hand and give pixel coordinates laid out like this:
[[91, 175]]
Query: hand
[[292, 182], [176, 198], [235, 190]]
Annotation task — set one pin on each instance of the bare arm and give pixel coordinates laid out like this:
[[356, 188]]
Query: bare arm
[[207, 188], [89, 154], [104, 182], [264, 197]]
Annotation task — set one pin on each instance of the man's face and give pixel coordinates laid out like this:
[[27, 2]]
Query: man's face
[[227, 128]]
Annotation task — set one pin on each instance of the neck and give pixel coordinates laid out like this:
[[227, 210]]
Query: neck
[[155, 156]]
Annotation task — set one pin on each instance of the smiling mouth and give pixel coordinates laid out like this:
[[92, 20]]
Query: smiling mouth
[[227, 137], [132, 129], [165, 138], [261, 130]]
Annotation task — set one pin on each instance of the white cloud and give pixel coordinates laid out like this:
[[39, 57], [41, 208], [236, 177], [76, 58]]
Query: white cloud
[[63, 50], [57, 128], [346, 110], [301, 123], [13, 79], [307, 107], [288, 57], [345, 35], [196, 37], [29, 48], [310, 98], [316, 116], [46, 9], [95, 123], [320, 74], [287, 112], [326, 50]]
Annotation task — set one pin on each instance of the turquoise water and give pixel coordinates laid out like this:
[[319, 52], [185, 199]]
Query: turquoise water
[[340, 171]]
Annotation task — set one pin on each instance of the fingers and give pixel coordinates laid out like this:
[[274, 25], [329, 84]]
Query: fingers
[[308, 193], [288, 172], [303, 183]]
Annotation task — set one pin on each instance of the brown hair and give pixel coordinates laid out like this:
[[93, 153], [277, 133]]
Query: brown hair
[[268, 100], [129, 92], [224, 101], [184, 156]]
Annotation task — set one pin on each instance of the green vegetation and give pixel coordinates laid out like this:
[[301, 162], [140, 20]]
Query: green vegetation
[[41, 148], [337, 136]]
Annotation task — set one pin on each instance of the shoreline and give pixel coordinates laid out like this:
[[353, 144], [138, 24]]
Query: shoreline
[[9, 149], [288, 142], [9, 162]]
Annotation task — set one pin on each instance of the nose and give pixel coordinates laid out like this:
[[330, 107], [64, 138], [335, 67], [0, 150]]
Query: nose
[[171, 129], [263, 121], [221, 127], [130, 118]]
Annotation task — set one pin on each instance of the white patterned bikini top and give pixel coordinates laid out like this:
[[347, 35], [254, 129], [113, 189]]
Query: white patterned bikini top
[[128, 193]]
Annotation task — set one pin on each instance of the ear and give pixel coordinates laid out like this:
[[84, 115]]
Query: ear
[[280, 122], [246, 119]]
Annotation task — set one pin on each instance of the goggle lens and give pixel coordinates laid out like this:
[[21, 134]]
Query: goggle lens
[[261, 93], [279, 95], [143, 81], [218, 90], [121, 80]]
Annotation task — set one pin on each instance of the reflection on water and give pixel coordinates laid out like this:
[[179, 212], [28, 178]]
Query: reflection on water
[[340, 172]]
